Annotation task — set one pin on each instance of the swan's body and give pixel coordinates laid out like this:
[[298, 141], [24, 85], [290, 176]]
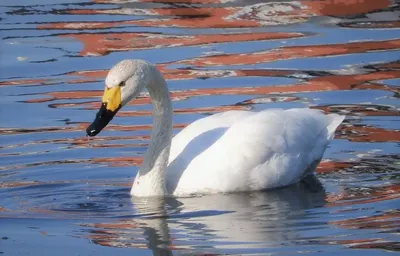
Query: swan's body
[[244, 151], [226, 152]]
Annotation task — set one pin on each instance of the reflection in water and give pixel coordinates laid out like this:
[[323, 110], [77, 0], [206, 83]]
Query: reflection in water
[[293, 52], [212, 15], [251, 220], [100, 44], [334, 55]]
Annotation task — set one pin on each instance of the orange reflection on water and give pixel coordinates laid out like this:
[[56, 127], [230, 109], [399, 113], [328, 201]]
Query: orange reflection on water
[[390, 246], [363, 133], [257, 15], [293, 52], [102, 44], [24, 82], [315, 84], [387, 221], [109, 161], [380, 221], [375, 194], [197, 17], [80, 126], [185, 111], [344, 7]]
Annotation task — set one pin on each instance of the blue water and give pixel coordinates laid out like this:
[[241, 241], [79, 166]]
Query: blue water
[[63, 194]]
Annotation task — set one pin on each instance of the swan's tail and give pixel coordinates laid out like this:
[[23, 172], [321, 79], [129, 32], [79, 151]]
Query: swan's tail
[[334, 120]]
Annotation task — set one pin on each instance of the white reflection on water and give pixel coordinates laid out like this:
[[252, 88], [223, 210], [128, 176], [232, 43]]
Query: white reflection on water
[[210, 223]]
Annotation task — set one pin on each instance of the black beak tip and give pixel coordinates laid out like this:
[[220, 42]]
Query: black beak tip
[[103, 117], [91, 131]]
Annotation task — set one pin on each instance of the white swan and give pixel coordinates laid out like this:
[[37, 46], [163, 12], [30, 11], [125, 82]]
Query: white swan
[[226, 152]]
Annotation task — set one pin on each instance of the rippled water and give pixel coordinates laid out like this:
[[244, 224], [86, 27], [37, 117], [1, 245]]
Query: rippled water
[[62, 193]]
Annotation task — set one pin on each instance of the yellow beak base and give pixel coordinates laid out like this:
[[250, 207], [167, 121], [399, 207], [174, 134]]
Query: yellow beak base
[[112, 97]]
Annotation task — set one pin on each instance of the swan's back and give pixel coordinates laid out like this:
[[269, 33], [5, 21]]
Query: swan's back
[[243, 151]]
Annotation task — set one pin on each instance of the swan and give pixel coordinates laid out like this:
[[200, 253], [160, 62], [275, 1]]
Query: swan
[[226, 152]]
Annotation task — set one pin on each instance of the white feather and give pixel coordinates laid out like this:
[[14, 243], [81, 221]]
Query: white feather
[[244, 151]]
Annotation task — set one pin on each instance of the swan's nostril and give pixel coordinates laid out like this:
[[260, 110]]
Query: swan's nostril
[[103, 110]]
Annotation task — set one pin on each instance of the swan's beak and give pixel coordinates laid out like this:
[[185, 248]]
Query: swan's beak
[[109, 107]]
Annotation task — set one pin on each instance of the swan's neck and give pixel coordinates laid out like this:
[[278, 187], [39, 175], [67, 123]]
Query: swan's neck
[[150, 180]]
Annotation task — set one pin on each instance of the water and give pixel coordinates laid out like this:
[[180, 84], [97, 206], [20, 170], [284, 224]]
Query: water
[[62, 193]]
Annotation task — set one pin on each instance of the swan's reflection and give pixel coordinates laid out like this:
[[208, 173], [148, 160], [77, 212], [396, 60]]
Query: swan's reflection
[[165, 225]]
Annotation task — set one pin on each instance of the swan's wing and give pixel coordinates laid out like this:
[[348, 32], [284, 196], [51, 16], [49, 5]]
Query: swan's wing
[[196, 138], [263, 150], [214, 125]]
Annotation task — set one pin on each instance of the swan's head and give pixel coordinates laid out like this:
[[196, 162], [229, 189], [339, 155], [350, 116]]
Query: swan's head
[[124, 82]]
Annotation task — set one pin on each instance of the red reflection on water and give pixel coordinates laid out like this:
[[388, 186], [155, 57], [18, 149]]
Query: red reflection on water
[[262, 14], [198, 17], [380, 221], [110, 161], [363, 133], [293, 52], [390, 246], [387, 221], [80, 126], [375, 194], [186, 110], [323, 83], [23, 82], [102, 44], [345, 7]]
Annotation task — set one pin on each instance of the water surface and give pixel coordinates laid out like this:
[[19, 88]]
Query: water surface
[[62, 193]]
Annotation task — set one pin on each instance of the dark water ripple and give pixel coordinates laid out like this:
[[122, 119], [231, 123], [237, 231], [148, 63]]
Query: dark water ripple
[[58, 188]]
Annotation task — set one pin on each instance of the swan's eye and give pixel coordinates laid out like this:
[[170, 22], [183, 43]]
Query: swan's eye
[[122, 83]]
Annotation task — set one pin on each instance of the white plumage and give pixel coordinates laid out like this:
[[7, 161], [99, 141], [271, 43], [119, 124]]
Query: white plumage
[[244, 151], [226, 152]]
